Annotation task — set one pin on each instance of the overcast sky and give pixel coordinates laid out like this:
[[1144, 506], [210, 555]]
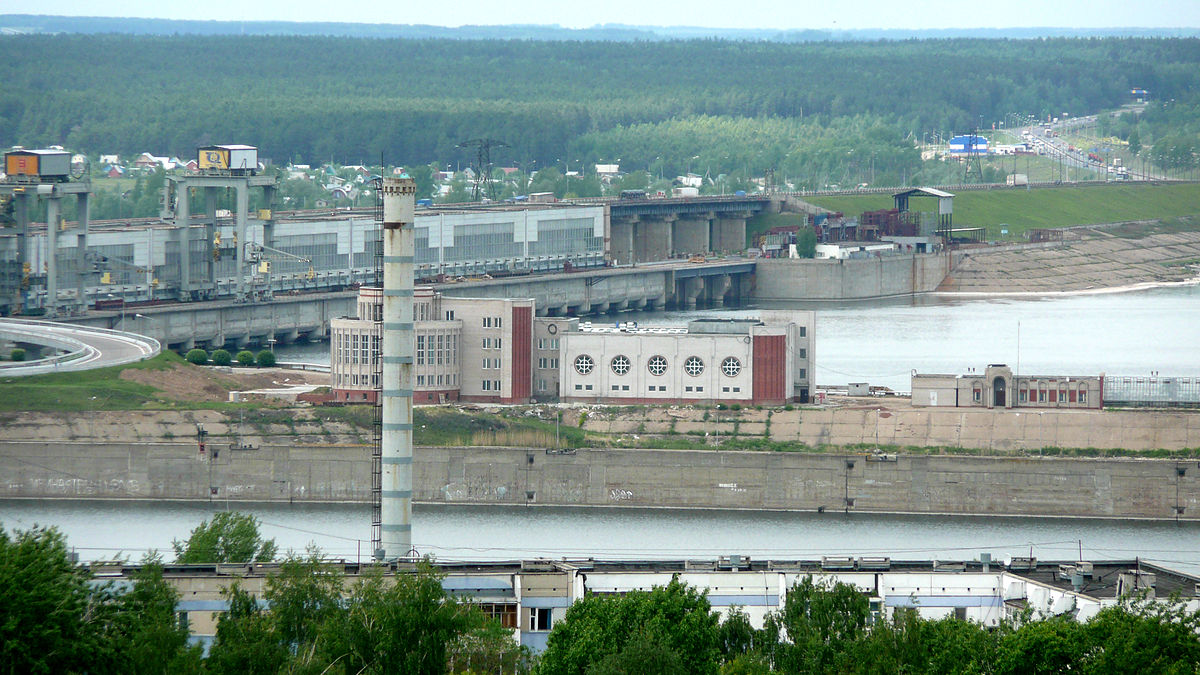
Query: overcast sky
[[774, 14]]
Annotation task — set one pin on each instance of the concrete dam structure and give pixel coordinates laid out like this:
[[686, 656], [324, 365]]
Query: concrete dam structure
[[923, 484]]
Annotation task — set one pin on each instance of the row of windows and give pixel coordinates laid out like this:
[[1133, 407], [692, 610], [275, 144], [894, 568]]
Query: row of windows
[[492, 322], [491, 385], [450, 380], [437, 350], [546, 363], [492, 343], [547, 343], [657, 365], [354, 348], [491, 364]]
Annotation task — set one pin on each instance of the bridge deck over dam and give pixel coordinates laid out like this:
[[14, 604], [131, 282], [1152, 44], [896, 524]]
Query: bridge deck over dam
[[287, 318]]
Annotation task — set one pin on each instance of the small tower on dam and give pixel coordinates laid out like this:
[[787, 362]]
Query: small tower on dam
[[397, 372]]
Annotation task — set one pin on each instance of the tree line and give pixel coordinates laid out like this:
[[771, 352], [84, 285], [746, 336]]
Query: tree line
[[56, 617], [409, 102]]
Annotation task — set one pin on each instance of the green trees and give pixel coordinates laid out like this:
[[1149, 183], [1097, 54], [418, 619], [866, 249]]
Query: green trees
[[670, 627], [197, 356], [265, 358], [220, 357], [245, 358], [230, 537], [55, 618]]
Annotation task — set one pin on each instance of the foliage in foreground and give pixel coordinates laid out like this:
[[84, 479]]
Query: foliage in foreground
[[231, 537], [56, 618]]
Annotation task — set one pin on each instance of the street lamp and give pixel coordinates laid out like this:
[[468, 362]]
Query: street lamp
[[149, 318]]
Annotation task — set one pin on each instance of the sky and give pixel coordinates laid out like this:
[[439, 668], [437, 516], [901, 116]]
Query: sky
[[771, 14]]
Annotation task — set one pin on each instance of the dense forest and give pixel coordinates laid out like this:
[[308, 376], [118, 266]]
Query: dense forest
[[809, 110]]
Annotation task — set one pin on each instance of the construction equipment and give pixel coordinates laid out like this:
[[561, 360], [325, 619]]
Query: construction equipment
[[102, 265], [262, 254]]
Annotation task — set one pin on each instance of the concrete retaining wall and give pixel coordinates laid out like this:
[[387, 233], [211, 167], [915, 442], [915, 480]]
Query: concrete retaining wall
[[786, 279], [1118, 488]]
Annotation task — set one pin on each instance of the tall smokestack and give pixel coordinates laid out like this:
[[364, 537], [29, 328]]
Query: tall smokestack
[[397, 385]]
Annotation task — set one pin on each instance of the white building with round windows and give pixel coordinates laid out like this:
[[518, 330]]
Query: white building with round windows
[[710, 361]]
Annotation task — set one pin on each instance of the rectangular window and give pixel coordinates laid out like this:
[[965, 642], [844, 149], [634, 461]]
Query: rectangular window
[[588, 387], [579, 387], [737, 388], [1082, 396], [542, 363], [803, 331], [553, 343], [420, 380], [624, 387], [539, 618], [699, 388], [450, 315], [1041, 396], [803, 373], [497, 343], [505, 613], [725, 389], [440, 379], [687, 388], [803, 353], [495, 385], [554, 363], [1021, 396], [1062, 396], [616, 388], [498, 322]]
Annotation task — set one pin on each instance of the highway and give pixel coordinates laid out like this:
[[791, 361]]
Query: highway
[[78, 347]]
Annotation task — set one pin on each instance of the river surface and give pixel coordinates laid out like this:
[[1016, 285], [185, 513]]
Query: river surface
[[108, 529], [1131, 333], [882, 342]]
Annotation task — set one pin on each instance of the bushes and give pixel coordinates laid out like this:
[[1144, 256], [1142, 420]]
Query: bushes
[[17, 354], [221, 357]]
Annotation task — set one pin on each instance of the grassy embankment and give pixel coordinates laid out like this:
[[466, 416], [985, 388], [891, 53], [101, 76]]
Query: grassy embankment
[[1019, 211], [522, 426]]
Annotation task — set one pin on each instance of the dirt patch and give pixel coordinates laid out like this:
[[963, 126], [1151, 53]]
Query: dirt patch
[[192, 383]]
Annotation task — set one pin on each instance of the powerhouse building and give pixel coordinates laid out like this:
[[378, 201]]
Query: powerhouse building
[[494, 350]]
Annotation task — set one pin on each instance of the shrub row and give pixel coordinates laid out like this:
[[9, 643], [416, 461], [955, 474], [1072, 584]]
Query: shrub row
[[221, 357]]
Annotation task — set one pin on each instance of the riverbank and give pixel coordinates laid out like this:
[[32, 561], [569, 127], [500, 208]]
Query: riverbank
[[1097, 259]]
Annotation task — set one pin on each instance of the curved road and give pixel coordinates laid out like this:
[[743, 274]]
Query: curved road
[[81, 347]]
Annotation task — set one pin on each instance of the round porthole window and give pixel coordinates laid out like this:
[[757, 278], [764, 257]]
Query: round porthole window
[[620, 364], [657, 365], [694, 366], [731, 367], [584, 364]]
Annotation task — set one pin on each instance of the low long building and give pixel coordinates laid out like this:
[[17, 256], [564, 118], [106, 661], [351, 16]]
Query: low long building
[[998, 387], [530, 597]]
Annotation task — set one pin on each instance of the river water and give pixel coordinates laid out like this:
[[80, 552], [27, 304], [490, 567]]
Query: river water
[[107, 529], [1130, 333]]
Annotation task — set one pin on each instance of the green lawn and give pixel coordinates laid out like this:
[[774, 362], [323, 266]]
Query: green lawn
[[100, 389], [1022, 210]]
